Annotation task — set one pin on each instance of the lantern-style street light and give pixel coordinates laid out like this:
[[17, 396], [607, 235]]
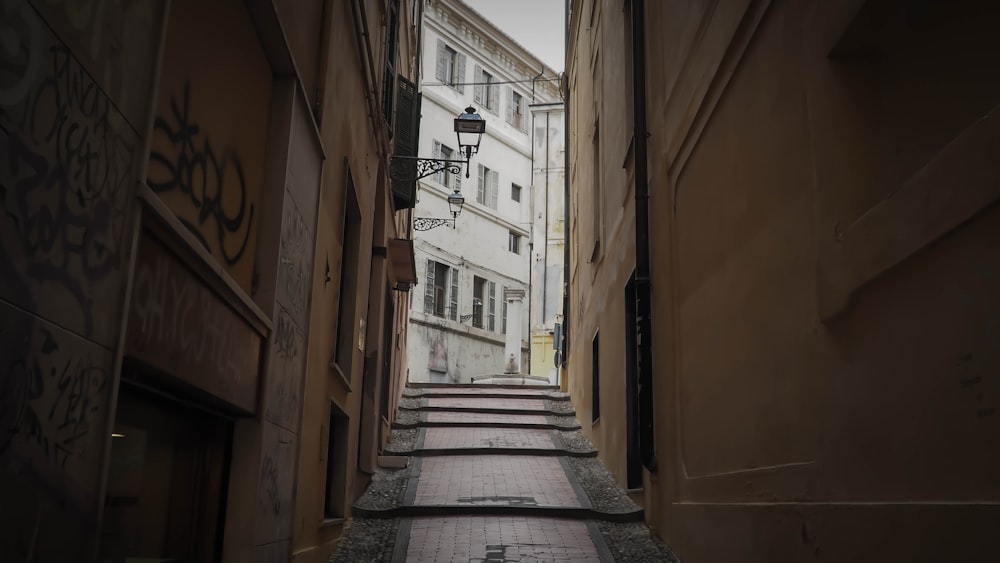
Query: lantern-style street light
[[455, 202], [469, 128]]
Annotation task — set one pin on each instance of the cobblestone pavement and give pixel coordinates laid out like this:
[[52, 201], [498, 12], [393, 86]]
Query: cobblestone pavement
[[494, 487]]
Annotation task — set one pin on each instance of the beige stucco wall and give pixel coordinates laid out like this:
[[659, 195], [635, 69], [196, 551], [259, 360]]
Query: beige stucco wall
[[824, 269]]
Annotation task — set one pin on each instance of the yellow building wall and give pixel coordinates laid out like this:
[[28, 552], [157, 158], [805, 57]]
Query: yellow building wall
[[542, 353], [823, 235]]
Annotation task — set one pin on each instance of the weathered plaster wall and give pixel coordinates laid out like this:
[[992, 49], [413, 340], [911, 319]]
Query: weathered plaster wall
[[74, 107], [823, 234]]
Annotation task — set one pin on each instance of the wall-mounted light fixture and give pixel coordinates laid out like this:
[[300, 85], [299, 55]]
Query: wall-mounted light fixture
[[469, 128]]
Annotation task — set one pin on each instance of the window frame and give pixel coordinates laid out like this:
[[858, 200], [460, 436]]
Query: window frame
[[514, 242]]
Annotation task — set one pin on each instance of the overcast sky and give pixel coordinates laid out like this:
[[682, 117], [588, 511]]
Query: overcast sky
[[535, 24]]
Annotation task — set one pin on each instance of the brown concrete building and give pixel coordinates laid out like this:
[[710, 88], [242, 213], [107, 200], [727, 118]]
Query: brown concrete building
[[201, 336], [814, 208]]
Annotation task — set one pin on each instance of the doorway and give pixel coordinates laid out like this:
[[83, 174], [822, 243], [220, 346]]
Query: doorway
[[166, 481]]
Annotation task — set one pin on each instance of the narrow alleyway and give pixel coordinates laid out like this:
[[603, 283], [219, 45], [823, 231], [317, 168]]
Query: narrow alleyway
[[494, 474]]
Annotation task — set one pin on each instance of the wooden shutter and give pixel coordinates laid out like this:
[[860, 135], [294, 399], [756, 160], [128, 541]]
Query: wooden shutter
[[493, 307], [429, 288], [481, 191], [405, 139], [441, 73], [494, 177], [494, 97], [510, 105], [478, 88], [453, 313], [460, 72], [503, 310]]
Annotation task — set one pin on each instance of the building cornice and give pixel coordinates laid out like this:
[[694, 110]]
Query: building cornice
[[464, 25]]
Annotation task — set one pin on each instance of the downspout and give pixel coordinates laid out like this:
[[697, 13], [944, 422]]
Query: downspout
[[647, 449], [418, 20], [566, 228], [545, 231]]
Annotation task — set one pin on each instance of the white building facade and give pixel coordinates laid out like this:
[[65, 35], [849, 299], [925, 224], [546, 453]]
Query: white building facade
[[548, 235], [458, 318]]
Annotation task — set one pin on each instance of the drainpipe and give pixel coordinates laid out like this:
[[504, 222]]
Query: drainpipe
[[545, 223], [566, 206], [647, 449]]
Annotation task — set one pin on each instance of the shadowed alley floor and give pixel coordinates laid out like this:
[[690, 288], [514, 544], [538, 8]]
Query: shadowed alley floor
[[495, 474]]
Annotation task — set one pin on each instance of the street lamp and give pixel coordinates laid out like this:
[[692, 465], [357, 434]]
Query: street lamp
[[455, 202], [469, 127]]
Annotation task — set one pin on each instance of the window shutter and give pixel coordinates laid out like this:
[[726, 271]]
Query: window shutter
[[429, 289], [494, 187], [478, 88], [510, 105], [404, 141], [524, 118], [503, 310], [481, 191], [494, 96], [436, 151], [453, 314], [493, 306], [442, 64], [460, 72]]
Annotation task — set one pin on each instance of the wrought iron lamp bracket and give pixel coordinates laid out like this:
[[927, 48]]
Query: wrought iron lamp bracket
[[428, 223], [408, 168]]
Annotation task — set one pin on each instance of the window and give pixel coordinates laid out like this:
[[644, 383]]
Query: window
[[443, 177], [489, 180], [503, 310], [515, 192], [515, 110], [437, 298], [514, 242], [450, 67], [491, 316], [595, 373], [478, 295], [487, 91]]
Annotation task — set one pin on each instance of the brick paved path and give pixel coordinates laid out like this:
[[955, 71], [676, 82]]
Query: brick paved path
[[513, 498]]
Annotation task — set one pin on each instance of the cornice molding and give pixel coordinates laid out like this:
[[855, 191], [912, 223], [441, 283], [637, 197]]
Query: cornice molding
[[466, 26]]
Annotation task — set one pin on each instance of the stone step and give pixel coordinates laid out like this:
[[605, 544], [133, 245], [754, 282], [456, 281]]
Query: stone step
[[443, 441]]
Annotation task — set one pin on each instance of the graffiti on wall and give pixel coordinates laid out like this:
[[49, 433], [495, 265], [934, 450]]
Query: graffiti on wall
[[295, 262], [54, 392], [112, 39], [180, 326], [275, 485], [66, 159], [285, 373], [213, 185]]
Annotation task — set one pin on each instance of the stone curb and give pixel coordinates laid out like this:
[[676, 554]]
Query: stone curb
[[429, 452], [432, 395], [540, 425], [412, 385], [479, 410], [575, 513]]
